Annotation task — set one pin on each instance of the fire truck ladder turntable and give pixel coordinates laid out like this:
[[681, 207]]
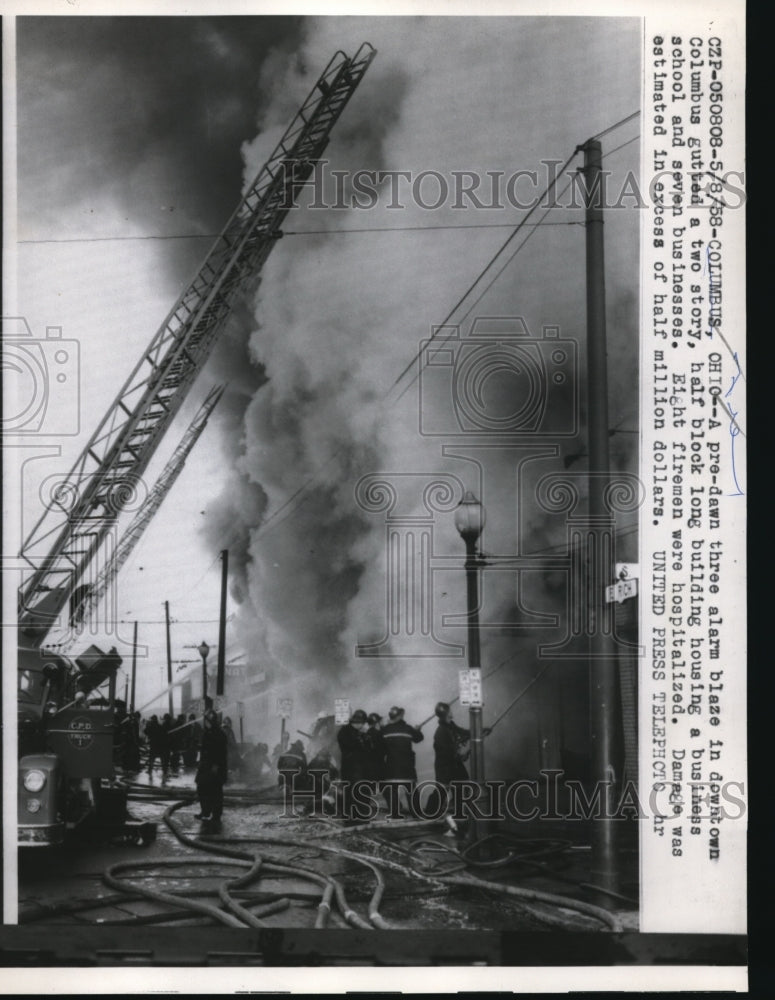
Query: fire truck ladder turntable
[[86, 503]]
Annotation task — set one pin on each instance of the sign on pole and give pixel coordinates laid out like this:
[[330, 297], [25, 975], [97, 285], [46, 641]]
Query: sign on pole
[[470, 688], [621, 590], [284, 708], [341, 711]]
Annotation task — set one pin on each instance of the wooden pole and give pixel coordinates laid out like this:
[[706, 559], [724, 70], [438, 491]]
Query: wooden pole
[[134, 669], [169, 657], [222, 623]]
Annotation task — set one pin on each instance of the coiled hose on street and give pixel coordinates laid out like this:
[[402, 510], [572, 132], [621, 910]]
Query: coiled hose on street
[[234, 913]]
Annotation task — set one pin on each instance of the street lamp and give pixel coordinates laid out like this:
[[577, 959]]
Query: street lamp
[[204, 649], [469, 521]]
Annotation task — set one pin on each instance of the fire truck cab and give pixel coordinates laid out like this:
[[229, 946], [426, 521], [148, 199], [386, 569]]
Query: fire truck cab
[[66, 774]]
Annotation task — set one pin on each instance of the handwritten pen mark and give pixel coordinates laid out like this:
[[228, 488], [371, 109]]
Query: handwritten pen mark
[[735, 428]]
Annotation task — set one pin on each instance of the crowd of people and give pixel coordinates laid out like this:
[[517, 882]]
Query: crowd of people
[[173, 745], [364, 759], [377, 760]]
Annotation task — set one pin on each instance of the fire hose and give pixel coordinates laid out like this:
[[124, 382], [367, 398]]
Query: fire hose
[[235, 913], [338, 890]]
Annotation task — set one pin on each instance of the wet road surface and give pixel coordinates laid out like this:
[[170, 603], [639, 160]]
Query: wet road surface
[[67, 885]]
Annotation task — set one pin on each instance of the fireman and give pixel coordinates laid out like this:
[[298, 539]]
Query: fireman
[[451, 748], [450, 745], [292, 772], [400, 770], [375, 750], [213, 770], [352, 744]]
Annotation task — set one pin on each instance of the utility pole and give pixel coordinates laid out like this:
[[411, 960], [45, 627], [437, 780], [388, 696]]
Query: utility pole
[[602, 668], [222, 623], [169, 656], [134, 668]]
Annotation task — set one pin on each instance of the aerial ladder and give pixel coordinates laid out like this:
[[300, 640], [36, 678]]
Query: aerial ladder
[[64, 747], [91, 597], [87, 502]]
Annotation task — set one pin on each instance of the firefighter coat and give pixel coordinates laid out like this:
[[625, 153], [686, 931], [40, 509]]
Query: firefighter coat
[[399, 738], [447, 743], [354, 753]]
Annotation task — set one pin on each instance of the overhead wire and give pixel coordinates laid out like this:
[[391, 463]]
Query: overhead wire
[[313, 478], [518, 228], [492, 281], [288, 232], [523, 224]]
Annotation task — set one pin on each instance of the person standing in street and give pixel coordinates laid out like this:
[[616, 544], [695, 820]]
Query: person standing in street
[[450, 746], [354, 765], [400, 768], [212, 771]]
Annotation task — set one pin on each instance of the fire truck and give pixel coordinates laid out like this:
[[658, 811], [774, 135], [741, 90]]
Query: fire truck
[[66, 743]]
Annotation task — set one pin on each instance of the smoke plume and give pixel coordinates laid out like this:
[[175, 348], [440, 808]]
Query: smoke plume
[[338, 316]]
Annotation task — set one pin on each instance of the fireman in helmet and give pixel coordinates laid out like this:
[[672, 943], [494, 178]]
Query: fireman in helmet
[[400, 769], [213, 769], [355, 766]]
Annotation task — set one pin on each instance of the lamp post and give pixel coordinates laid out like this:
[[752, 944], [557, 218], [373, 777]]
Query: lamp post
[[204, 649], [469, 521]]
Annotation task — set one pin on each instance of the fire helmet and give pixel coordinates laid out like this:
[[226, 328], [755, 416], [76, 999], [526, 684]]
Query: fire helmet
[[358, 717], [442, 709], [395, 711], [374, 718]]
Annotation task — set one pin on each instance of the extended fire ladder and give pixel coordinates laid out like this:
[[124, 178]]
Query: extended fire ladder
[[93, 595], [89, 499]]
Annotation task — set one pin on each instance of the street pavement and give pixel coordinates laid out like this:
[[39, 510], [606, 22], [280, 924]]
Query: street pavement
[[66, 886]]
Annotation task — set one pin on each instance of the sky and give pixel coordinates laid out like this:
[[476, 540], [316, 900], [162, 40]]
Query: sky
[[136, 129]]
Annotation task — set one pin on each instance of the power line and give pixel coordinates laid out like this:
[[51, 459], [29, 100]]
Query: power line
[[488, 286], [622, 121], [417, 229], [289, 232], [484, 270], [521, 225]]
